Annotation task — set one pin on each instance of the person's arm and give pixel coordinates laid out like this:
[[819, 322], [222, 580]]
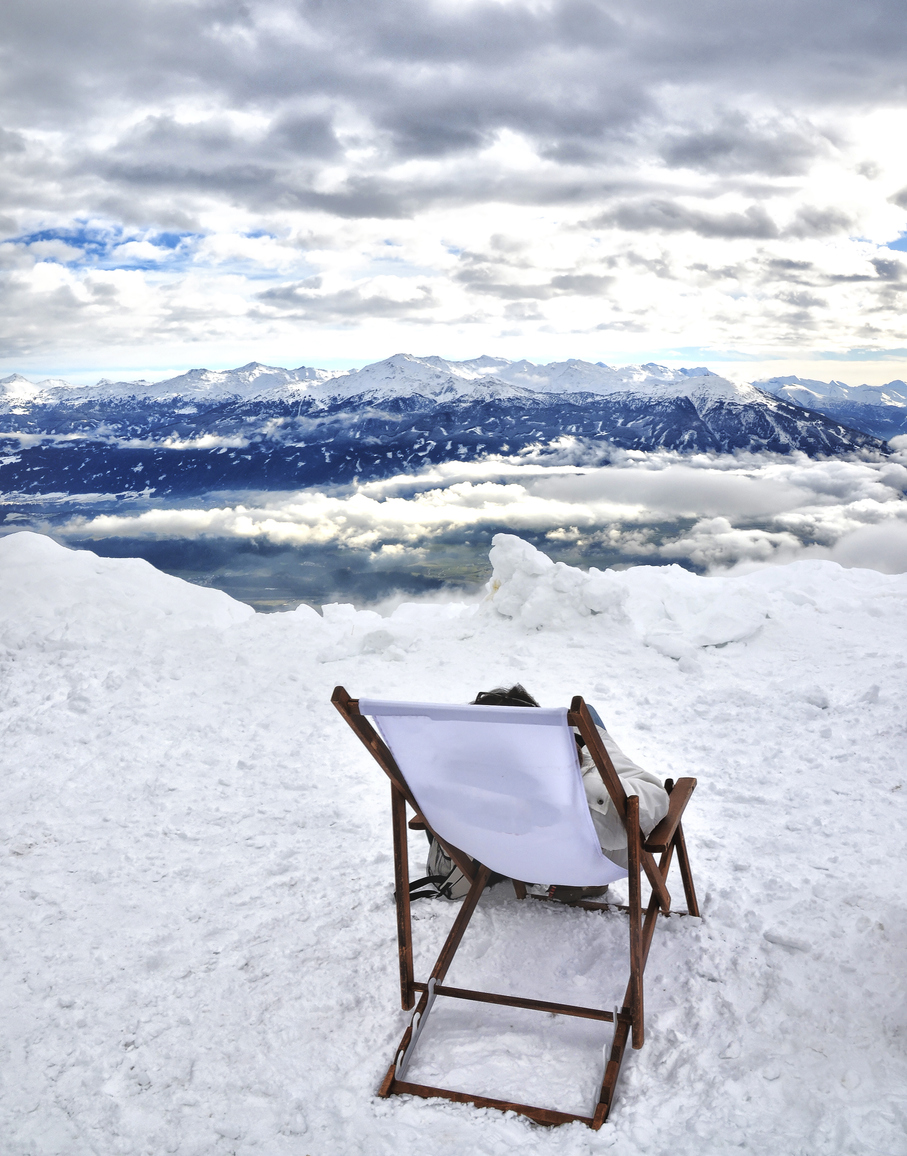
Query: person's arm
[[653, 798]]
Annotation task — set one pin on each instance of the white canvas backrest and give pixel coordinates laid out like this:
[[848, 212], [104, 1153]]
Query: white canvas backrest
[[501, 783]]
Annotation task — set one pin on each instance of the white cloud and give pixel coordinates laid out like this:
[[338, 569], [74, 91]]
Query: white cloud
[[718, 513], [54, 250], [881, 547], [139, 251]]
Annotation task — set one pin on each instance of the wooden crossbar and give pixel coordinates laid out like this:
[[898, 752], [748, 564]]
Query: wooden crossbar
[[540, 1115], [561, 1009], [666, 838]]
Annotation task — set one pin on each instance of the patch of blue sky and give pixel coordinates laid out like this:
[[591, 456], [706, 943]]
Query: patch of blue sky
[[690, 354], [862, 354], [172, 240], [97, 246], [92, 241], [900, 244], [702, 355]]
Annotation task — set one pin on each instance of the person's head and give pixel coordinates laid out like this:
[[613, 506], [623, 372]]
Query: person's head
[[516, 695]]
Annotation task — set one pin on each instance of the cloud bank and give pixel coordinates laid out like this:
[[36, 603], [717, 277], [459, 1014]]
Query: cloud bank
[[573, 178], [710, 513]]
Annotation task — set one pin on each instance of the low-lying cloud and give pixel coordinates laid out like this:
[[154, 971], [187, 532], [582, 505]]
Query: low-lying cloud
[[712, 513]]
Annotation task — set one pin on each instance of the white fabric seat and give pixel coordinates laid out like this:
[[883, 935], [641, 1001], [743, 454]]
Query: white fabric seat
[[502, 784]]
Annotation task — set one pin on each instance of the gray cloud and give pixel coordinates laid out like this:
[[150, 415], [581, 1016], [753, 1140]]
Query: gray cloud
[[302, 119], [754, 223], [888, 269], [671, 217], [303, 301], [590, 284], [423, 80], [900, 198], [484, 274], [818, 222], [737, 145]]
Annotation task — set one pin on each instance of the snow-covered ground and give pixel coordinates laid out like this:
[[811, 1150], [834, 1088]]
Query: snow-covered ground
[[198, 954]]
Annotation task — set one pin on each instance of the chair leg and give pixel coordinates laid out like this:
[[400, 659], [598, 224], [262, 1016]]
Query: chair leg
[[438, 972], [683, 862], [519, 888], [612, 1071], [467, 907], [404, 919], [636, 948]]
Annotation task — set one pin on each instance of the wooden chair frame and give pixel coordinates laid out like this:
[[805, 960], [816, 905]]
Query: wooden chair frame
[[666, 839]]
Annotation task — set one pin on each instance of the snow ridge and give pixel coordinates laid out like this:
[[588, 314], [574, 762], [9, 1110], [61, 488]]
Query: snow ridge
[[266, 427], [402, 375], [880, 410]]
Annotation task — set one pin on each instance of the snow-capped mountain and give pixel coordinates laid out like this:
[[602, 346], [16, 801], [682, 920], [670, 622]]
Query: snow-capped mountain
[[880, 410], [261, 426], [399, 376], [206, 385]]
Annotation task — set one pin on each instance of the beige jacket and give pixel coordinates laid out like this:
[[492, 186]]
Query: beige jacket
[[653, 799]]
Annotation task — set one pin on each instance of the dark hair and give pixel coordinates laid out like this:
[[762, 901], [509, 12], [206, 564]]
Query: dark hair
[[502, 696], [516, 695]]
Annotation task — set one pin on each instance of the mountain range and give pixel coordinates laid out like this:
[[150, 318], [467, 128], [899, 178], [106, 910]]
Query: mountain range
[[880, 410], [263, 427]]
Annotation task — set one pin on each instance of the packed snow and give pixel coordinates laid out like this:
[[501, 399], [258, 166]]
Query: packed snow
[[199, 954]]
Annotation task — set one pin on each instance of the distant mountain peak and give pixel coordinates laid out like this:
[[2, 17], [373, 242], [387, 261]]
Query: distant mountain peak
[[261, 426], [427, 382]]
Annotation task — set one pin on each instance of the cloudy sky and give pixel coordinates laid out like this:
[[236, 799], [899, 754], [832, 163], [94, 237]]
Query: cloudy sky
[[209, 182]]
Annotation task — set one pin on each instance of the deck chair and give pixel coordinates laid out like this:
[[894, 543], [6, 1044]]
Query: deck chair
[[500, 789]]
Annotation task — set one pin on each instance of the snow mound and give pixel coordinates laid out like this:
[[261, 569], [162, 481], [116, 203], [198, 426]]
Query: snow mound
[[677, 612], [534, 591], [670, 609], [49, 590]]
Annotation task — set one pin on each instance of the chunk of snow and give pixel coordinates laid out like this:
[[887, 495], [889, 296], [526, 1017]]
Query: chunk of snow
[[65, 592]]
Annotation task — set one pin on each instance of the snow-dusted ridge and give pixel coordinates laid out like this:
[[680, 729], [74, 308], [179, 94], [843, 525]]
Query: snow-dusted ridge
[[248, 381], [262, 427], [807, 391], [402, 375], [436, 378], [880, 410]]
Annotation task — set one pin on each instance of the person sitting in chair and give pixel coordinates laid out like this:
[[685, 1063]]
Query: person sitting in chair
[[447, 879], [653, 798]]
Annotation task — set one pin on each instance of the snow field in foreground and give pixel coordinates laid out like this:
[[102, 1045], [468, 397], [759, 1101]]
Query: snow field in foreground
[[198, 954]]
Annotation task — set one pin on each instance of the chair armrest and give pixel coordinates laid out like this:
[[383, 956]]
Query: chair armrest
[[660, 837], [416, 823]]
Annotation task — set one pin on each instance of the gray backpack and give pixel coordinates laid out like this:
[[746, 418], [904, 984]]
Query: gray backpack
[[444, 880]]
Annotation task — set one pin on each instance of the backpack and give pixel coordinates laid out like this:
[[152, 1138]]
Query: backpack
[[444, 880]]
